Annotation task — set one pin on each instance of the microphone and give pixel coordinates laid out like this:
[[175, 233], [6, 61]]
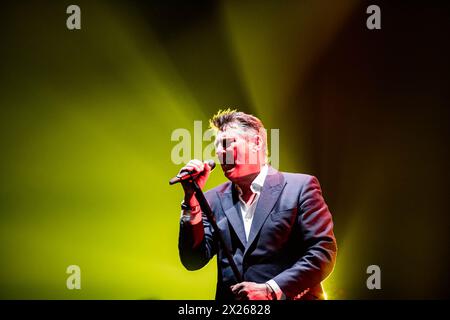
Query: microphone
[[186, 175]]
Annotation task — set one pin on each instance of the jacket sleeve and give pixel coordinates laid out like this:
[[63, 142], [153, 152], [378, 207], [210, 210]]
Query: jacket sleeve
[[318, 260], [196, 243]]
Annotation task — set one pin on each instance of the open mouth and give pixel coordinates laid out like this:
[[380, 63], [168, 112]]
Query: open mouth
[[228, 167]]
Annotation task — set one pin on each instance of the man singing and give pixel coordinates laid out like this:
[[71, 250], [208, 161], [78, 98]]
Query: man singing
[[277, 225]]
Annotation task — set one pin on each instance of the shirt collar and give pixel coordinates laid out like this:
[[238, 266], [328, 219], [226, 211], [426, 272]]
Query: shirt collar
[[258, 182]]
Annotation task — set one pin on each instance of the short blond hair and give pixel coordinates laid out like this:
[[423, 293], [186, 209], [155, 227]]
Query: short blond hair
[[247, 122]]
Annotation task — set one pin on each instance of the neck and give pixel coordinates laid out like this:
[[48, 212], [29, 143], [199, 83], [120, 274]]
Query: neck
[[245, 182]]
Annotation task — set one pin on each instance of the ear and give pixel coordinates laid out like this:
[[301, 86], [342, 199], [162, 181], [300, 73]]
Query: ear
[[258, 143]]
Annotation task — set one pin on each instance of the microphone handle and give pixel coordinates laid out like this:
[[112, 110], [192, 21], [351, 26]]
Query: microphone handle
[[186, 175]]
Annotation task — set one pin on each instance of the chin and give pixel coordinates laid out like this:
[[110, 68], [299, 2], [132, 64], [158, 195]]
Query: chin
[[230, 174]]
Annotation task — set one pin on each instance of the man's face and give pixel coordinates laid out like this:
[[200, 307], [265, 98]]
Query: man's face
[[238, 152]]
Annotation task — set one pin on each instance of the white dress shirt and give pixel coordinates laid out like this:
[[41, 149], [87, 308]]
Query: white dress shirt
[[248, 209]]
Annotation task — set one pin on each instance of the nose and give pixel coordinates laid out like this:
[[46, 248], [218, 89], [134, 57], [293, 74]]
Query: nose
[[226, 156], [221, 154]]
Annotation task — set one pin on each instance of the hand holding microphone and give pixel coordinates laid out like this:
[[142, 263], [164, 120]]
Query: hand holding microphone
[[194, 170], [199, 172]]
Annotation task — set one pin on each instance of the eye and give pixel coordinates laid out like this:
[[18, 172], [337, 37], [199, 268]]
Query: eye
[[226, 142]]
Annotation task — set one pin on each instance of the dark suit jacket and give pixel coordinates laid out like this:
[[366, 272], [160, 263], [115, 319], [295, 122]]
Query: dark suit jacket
[[291, 239]]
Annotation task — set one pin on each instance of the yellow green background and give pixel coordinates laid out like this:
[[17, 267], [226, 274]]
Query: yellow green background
[[86, 119]]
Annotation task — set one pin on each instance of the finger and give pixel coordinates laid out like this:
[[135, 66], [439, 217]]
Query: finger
[[243, 294], [253, 297], [187, 168], [197, 163], [206, 170], [192, 166], [198, 167], [207, 167], [241, 285], [243, 291], [237, 287]]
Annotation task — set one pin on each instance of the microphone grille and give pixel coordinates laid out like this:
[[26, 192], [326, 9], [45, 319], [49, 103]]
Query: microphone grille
[[211, 163]]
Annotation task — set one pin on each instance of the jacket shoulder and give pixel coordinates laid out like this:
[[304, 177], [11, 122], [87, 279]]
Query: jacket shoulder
[[297, 177]]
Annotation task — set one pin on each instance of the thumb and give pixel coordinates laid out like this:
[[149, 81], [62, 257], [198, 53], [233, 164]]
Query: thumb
[[207, 167]]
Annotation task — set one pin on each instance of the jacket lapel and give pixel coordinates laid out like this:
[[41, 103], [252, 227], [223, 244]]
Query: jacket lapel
[[232, 213], [270, 193]]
